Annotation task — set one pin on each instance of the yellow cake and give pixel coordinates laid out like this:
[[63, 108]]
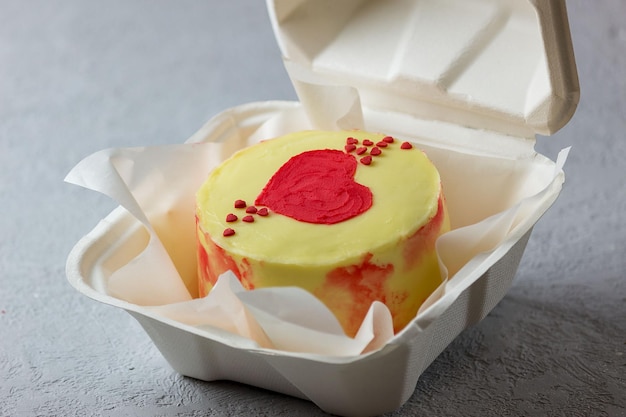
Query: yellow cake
[[351, 217]]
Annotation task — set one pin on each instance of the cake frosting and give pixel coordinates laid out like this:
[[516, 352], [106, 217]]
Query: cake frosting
[[351, 217]]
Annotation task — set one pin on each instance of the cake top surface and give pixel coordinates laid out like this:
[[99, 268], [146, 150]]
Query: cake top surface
[[318, 197]]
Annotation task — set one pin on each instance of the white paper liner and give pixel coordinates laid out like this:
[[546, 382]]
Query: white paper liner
[[487, 196]]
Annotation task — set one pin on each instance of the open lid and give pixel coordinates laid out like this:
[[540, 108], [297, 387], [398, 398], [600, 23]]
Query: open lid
[[501, 65]]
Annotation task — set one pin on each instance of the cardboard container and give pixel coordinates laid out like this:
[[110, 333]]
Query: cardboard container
[[470, 80]]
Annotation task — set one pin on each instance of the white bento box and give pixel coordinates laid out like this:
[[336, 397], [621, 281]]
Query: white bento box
[[470, 82]]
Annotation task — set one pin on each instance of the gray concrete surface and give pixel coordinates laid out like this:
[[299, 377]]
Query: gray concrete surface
[[77, 76]]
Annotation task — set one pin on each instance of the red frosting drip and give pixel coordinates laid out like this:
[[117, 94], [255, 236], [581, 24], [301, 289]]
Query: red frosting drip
[[363, 283], [214, 261], [317, 187]]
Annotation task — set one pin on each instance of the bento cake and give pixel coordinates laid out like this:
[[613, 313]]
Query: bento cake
[[351, 217]]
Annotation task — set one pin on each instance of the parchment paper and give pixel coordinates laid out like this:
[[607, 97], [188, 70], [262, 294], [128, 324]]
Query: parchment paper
[[488, 198]]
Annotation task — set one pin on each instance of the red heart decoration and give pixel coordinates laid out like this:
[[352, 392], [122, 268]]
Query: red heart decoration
[[317, 187]]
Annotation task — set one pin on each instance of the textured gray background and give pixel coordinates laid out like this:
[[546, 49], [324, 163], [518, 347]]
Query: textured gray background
[[77, 76]]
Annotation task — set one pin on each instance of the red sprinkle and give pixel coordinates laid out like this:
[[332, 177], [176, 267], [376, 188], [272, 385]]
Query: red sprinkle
[[240, 204], [231, 218], [251, 210], [382, 144], [361, 150], [375, 151], [352, 141], [350, 147], [367, 142], [228, 232], [248, 219], [388, 139], [406, 145], [263, 211], [366, 160]]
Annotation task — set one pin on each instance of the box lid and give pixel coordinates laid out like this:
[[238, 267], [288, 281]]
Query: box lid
[[501, 65]]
